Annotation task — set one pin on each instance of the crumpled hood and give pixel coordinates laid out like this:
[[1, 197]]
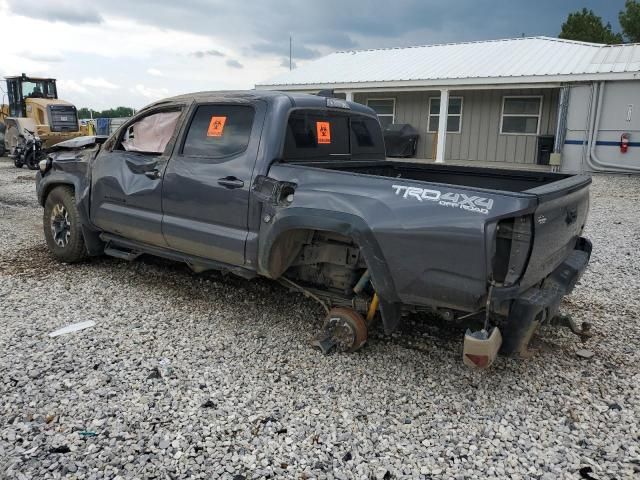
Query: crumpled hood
[[78, 143]]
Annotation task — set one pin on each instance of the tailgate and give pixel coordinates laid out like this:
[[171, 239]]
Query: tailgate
[[557, 223]]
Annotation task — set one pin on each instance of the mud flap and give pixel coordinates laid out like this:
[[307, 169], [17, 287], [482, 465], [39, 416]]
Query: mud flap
[[390, 313], [526, 315], [92, 242]]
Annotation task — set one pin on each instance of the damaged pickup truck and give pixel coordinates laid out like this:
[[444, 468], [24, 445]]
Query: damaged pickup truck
[[297, 188]]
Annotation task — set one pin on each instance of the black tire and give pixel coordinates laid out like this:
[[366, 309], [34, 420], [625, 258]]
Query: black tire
[[30, 161], [61, 222], [17, 163]]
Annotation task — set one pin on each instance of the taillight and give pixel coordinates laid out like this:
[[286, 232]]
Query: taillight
[[512, 248], [480, 361]]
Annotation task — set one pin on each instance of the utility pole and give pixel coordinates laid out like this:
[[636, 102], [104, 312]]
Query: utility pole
[[290, 53]]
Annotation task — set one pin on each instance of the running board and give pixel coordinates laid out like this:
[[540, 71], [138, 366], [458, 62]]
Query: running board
[[128, 255], [130, 249]]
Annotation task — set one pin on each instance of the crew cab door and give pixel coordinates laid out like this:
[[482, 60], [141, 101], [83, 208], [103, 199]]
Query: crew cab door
[[126, 181], [205, 196]]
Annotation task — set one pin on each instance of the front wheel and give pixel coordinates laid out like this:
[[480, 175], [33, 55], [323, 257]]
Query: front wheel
[[61, 222], [31, 160], [17, 162]]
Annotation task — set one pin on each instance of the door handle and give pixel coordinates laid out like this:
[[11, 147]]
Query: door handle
[[231, 182], [153, 174]]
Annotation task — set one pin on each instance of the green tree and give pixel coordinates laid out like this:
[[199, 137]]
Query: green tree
[[630, 20], [84, 113], [586, 26]]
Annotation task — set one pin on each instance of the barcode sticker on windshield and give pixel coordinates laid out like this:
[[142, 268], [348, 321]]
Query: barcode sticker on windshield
[[216, 126], [323, 132]]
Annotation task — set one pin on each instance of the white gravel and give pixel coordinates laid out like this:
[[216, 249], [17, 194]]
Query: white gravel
[[204, 376]]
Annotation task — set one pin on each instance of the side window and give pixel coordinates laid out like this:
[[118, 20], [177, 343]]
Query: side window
[[150, 134], [385, 108], [366, 137], [218, 131], [454, 116], [521, 115]]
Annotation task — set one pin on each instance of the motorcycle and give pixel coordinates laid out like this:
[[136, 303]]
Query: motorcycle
[[28, 151]]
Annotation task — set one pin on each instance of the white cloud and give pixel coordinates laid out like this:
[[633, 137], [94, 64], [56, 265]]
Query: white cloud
[[150, 92], [121, 61], [71, 86], [12, 64], [43, 55], [234, 63], [67, 11], [99, 82]]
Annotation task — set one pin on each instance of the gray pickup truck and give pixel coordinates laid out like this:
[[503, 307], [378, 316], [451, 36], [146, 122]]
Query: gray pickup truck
[[297, 188]]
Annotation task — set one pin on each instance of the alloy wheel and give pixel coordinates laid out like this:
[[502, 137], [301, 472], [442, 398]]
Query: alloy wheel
[[60, 225]]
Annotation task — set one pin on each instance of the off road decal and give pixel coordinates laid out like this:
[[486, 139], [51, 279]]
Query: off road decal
[[216, 126], [323, 132], [471, 203]]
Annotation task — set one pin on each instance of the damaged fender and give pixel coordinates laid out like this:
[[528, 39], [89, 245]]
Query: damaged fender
[[72, 166], [291, 219]]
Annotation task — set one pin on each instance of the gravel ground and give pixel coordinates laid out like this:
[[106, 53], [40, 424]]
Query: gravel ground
[[204, 376]]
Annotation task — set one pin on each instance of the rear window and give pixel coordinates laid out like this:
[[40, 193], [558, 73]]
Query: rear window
[[314, 135], [219, 131]]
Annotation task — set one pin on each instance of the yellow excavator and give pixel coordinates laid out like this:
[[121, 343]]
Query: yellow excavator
[[34, 118]]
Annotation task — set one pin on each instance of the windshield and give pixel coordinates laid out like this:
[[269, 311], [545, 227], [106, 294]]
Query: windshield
[[327, 135], [38, 89]]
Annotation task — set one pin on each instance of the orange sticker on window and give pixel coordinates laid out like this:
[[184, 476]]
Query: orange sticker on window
[[323, 131], [216, 126]]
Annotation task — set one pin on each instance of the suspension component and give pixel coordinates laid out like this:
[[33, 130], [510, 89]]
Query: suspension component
[[344, 330]]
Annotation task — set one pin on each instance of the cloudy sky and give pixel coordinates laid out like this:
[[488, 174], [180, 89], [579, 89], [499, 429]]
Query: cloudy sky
[[106, 53]]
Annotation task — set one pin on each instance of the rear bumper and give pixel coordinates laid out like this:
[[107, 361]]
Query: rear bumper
[[541, 303]]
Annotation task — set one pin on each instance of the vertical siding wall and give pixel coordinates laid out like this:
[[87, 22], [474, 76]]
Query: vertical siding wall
[[615, 119], [479, 138]]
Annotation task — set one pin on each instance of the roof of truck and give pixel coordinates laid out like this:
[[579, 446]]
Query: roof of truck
[[237, 95], [296, 99]]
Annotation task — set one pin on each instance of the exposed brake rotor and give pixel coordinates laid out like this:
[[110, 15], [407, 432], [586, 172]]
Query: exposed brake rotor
[[344, 330]]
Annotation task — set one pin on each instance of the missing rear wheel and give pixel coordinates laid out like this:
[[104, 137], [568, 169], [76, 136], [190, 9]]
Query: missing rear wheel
[[344, 330]]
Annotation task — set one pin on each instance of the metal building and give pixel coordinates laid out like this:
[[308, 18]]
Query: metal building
[[535, 100]]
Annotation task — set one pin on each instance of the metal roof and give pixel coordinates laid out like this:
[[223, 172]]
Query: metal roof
[[517, 60]]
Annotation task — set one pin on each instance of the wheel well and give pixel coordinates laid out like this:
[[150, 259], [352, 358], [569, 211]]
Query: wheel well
[[323, 259], [48, 188], [286, 248]]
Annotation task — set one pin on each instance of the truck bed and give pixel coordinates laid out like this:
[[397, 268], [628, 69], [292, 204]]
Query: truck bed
[[552, 207], [486, 178]]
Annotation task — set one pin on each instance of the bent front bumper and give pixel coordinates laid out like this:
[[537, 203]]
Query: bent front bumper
[[539, 304]]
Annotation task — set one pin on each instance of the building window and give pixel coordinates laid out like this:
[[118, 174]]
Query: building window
[[385, 108], [521, 115], [454, 117]]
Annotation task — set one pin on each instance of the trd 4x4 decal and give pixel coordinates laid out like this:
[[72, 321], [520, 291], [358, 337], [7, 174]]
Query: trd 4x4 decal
[[446, 199]]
